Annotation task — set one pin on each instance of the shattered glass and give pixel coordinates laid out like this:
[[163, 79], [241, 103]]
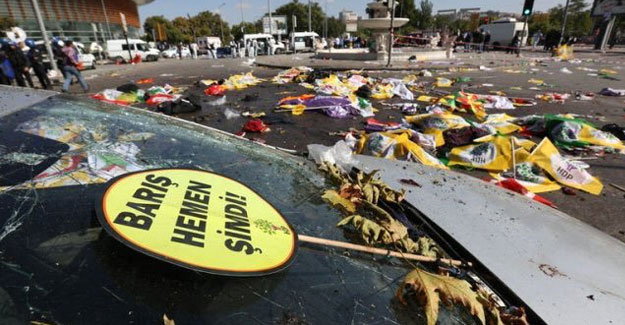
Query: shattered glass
[[58, 266]]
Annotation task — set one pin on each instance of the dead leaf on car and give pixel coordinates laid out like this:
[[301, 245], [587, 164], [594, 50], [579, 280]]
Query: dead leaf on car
[[337, 200], [431, 289]]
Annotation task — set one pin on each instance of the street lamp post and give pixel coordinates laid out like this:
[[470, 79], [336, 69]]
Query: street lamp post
[[221, 23], [566, 11], [241, 7], [309, 16], [106, 18], [44, 34], [269, 14], [325, 21], [390, 38]]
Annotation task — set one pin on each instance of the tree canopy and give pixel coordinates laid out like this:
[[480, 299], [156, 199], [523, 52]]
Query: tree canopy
[[300, 10], [206, 23], [184, 29]]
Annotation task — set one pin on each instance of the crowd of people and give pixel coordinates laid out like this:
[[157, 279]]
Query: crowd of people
[[476, 41], [18, 58]]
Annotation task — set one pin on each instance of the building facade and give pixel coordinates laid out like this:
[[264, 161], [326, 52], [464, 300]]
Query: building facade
[[81, 20], [350, 19]]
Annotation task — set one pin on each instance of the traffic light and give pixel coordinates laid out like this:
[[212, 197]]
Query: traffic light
[[527, 7]]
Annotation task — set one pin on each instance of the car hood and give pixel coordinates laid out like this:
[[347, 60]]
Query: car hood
[[566, 271]]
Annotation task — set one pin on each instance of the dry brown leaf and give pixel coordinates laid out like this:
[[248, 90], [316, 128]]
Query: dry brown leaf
[[493, 316], [516, 317], [430, 289], [334, 172], [351, 192], [370, 231], [167, 320], [336, 200]]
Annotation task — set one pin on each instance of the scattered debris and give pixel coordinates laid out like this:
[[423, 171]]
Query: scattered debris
[[410, 182], [550, 271]]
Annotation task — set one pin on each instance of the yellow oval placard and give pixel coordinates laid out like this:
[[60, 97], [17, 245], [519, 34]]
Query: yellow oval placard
[[199, 220]]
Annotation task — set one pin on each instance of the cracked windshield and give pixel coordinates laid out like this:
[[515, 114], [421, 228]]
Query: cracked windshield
[[312, 162]]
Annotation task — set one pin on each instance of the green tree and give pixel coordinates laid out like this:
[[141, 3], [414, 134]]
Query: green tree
[[578, 23], [336, 27], [420, 18], [206, 23], [184, 26], [174, 35], [577, 6], [245, 27], [184, 29], [407, 9], [540, 21], [442, 22], [300, 11], [425, 15]]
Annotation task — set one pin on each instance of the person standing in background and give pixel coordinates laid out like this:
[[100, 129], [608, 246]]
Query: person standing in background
[[7, 74], [467, 42], [513, 46], [233, 49], [35, 56], [194, 50], [446, 43], [536, 39], [96, 50], [20, 64], [486, 41], [69, 67], [211, 49], [254, 48]]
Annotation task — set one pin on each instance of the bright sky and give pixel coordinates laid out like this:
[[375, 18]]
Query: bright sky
[[254, 9]]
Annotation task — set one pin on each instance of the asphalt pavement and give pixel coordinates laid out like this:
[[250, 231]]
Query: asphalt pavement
[[503, 71]]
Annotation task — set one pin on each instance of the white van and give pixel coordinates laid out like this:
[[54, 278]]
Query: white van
[[87, 59], [117, 50], [264, 41], [304, 41], [502, 31]]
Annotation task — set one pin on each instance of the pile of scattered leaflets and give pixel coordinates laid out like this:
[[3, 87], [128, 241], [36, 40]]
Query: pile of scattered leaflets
[[569, 132], [130, 94], [440, 138], [503, 102], [114, 96], [289, 75], [399, 144], [553, 97], [333, 106], [346, 84], [464, 102], [235, 82], [333, 85]]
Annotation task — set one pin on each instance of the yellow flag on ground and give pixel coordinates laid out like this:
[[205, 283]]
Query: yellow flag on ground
[[494, 155], [547, 157]]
